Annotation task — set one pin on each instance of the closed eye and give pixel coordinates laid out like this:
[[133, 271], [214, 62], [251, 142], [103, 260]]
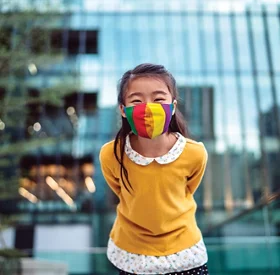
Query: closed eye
[[159, 99], [136, 101]]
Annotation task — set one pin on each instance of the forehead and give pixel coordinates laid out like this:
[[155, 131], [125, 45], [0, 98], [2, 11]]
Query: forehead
[[146, 85]]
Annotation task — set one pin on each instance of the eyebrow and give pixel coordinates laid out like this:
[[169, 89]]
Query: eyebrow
[[159, 92], [140, 94], [134, 94]]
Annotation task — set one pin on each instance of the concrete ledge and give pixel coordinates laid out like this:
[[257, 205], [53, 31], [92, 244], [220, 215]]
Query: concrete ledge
[[42, 267]]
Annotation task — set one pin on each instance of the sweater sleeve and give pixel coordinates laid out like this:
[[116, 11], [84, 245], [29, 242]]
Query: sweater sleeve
[[106, 164], [193, 181]]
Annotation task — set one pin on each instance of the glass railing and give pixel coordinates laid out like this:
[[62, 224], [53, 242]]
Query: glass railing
[[243, 255], [246, 244], [261, 220], [235, 255]]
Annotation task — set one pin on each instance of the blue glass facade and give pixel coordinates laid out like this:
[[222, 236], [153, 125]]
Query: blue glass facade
[[225, 58]]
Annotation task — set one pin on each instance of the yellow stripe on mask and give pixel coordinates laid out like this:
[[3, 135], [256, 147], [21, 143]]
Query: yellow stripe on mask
[[149, 121], [158, 117]]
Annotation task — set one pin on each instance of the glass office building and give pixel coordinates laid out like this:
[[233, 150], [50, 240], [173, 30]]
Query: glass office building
[[60, 63]]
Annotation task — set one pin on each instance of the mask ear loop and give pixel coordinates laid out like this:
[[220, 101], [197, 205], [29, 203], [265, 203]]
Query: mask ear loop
[[122, 108], [174, 109]]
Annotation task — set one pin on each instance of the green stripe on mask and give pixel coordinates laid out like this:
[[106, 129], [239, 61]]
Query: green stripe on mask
[[129, 116]]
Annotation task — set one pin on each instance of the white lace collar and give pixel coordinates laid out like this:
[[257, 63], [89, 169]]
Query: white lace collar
[[170, 156]]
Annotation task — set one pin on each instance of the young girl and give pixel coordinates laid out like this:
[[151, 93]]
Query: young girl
[[154, 170]]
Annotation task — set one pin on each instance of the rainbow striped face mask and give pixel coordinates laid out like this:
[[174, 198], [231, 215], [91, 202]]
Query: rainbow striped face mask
[[149, 120]]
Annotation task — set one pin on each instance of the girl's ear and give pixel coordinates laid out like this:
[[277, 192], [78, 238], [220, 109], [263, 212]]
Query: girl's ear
[[121, 107], [175, 106]]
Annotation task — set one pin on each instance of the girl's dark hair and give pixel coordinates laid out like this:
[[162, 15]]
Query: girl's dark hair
[[177, 123]]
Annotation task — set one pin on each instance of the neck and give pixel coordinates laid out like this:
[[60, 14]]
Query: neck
[[153, 147]]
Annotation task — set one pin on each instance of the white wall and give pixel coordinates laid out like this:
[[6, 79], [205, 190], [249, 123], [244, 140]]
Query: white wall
[[62, 237], [9, 237], [69, 244]]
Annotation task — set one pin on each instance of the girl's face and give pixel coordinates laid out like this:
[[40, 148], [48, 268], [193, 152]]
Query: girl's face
[[146, 90]]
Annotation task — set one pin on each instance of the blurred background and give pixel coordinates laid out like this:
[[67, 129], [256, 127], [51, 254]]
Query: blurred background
[[60, 61]]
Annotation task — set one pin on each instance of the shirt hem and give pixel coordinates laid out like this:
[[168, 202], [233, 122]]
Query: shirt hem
[[158, 271]]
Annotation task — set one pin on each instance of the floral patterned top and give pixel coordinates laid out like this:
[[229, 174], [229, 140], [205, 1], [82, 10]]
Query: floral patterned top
[[189, 258]]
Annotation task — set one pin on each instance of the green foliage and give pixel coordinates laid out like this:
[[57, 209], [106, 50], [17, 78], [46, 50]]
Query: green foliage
[[25, 40], [12, 253], [10, 265], [26, 146], [25, 51]]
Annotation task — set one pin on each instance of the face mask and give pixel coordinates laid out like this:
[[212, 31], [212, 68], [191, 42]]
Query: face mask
[[149, 120]]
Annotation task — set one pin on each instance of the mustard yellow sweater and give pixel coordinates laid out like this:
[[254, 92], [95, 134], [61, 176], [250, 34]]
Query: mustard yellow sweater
[[158, 217]]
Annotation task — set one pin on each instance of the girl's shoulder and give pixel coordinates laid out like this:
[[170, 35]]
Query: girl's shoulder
[[194, 142], [107, 145], [107, 150], [195, 148]]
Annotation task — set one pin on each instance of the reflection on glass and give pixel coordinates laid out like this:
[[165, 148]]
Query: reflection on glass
[[58, 106]]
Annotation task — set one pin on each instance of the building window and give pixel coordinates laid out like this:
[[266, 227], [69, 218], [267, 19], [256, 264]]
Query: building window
[[87, 102], [196, 104], [68, 173], [91, 42], [5, 38], [82, 42], [71, 41], [46, 120], [5, 46], [2, 94], [56, 40]]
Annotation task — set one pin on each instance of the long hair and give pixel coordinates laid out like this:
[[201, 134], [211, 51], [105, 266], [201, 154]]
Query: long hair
[[177, 123]]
